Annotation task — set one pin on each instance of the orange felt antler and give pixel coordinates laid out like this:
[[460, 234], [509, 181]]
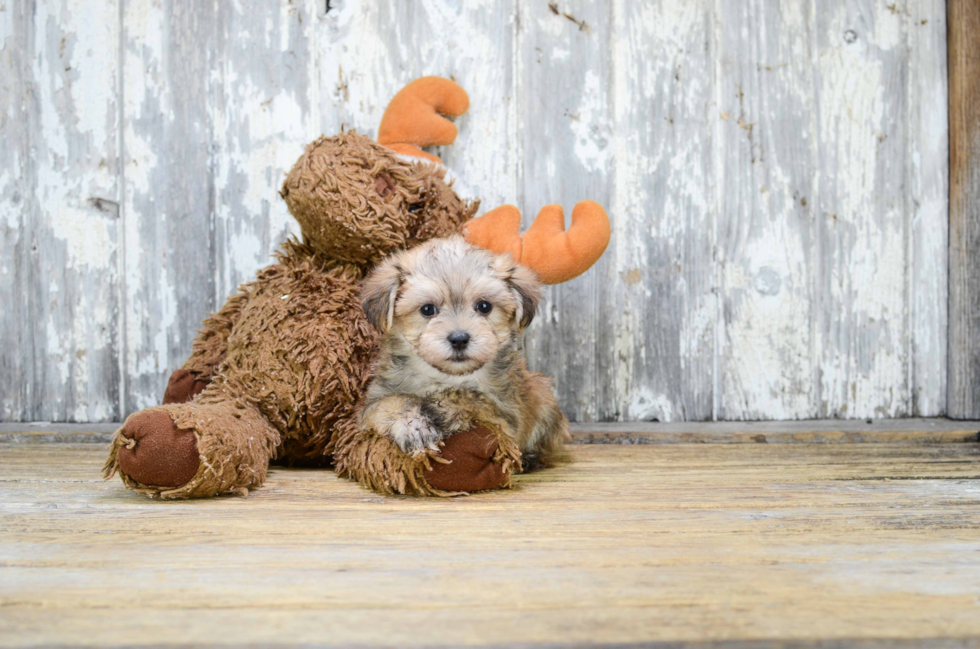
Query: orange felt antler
[[414, 118], [555, 254]]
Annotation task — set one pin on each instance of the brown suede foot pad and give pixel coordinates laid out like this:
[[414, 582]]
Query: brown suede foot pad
[[471, 467], [182, 387], [160, 454]]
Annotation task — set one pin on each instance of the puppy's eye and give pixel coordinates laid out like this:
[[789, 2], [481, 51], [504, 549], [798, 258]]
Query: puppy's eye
[[484, 307], [428, 310]]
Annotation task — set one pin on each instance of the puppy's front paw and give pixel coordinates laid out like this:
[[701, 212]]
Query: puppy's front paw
[[415, 434]]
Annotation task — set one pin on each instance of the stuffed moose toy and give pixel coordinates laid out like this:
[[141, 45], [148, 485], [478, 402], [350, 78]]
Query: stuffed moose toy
[[278, 372]]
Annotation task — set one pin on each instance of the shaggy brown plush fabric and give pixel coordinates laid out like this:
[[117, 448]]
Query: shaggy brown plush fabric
[[338, 176], [182, 387], [287, 357]]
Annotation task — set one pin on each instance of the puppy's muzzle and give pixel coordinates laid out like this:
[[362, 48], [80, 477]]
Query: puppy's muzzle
[[459, 340]]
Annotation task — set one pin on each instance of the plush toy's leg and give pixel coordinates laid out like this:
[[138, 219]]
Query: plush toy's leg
[[476, 459], [193, 450]]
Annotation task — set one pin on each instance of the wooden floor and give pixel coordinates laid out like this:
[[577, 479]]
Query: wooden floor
[[865, 543]]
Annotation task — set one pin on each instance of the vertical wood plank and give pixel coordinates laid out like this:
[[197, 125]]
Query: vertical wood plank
[[565, 132], [765, 202], [66, 199], [862, 326], [18, 209], [370, 50], [169, 193], [263, 71], [659, 291], [928, 204], [76, 69], [963, 18]]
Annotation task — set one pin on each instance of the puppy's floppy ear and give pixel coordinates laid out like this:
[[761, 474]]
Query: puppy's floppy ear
[[526, 287], [379, 292]]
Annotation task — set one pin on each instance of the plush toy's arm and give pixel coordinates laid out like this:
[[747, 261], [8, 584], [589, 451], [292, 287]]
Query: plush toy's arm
[[555, 254], [211, 343], [208, 352]]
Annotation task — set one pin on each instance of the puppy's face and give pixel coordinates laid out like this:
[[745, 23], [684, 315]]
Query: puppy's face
[[455, 305]]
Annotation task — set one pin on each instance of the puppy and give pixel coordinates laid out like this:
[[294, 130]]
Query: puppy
[[453, 318]]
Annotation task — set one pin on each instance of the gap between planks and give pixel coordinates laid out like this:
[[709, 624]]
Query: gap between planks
[[827, 431]]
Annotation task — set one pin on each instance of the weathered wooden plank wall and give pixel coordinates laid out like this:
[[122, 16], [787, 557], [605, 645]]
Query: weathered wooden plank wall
[[776, 172], [661, 275], [167, 172], [964, 209], [59, 210]]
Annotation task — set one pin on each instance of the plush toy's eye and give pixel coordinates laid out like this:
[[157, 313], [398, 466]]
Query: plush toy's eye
[[484, 307], [384, 185], [428, 310], [415, 208]]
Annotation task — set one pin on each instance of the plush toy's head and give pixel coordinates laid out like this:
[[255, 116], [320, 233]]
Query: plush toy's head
[[357, 201]]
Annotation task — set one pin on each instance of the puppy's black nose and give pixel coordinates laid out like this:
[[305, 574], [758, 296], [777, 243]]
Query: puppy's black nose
[[459, 340]]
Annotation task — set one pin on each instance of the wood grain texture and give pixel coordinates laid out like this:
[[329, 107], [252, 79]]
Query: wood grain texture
[[263, 114], [565, 136], [775, 172], [765, 178], [18, 209], [169, 188], [60, 185], [849, 543], [660, 291], [928, 205], [828, 431], [861, 209], [964, 208]]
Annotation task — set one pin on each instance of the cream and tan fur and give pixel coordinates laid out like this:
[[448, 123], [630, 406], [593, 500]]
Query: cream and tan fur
[[424, 299]]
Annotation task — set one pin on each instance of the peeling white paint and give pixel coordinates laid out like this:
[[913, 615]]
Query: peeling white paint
[[11, 209], [864, 365], [249, 173], [6, 26], [591, 132], [73, 226], [929, 188], [647, 406], [704, 126]]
